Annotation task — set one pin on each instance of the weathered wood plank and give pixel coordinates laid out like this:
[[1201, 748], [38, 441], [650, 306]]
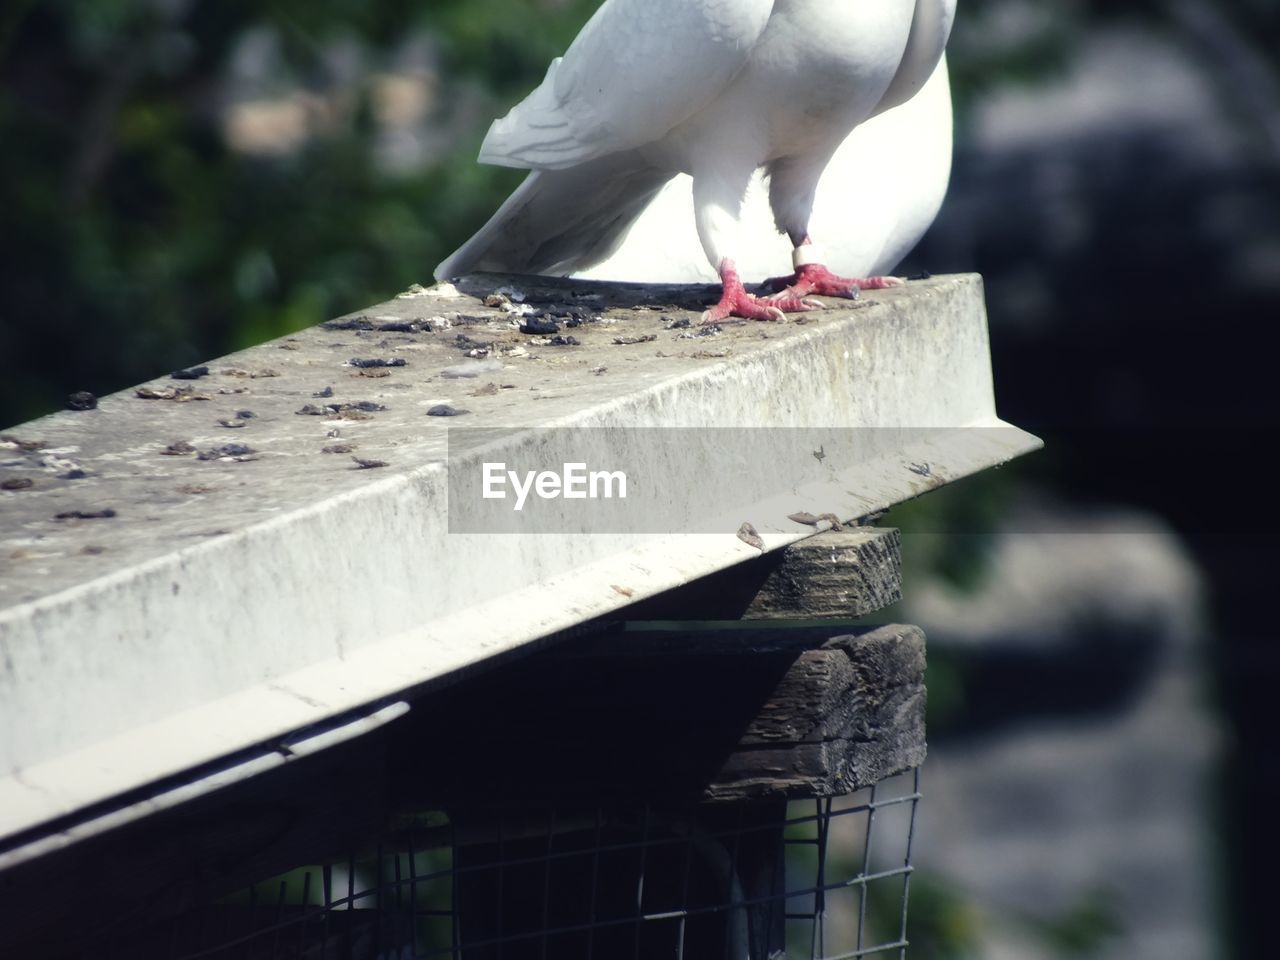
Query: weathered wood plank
[[731, 714], [838, 574], [845, 716]]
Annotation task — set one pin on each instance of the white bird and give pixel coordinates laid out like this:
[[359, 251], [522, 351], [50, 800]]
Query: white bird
[[717, 90], [879, 194]]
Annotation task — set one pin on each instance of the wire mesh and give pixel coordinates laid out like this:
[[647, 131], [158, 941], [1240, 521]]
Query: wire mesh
[[824, 879]]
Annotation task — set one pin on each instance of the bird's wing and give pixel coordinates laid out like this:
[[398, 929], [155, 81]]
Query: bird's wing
[[561, 221], [638, 69], [930, 30]]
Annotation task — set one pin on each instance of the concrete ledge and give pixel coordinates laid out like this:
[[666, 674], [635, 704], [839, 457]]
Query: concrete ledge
[[229, 602]]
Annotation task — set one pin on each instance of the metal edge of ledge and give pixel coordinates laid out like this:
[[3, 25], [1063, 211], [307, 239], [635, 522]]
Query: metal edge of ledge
[[316, 643], [393, 666]]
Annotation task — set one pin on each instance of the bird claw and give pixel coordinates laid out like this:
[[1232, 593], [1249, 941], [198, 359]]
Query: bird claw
[[735, 302], [750, 308], [814, 278], [740, 305], [799, 303]]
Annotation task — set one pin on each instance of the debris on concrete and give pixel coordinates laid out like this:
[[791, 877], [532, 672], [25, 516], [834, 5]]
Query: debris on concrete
[[748, 535], [539, 327], [105, 514], [176, 394], [237, 452], [366, 364]]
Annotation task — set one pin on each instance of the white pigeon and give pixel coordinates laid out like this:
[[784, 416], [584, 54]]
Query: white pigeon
[[879, 194], [717, 90]]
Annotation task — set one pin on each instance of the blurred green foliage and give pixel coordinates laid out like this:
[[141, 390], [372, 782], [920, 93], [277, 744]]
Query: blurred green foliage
[[134, 238]]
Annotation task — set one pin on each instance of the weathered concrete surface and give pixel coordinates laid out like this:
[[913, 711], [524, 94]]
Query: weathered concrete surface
[[227, 602]]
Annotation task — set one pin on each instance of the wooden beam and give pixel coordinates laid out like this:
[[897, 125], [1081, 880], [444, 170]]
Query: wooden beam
[[836, 575], [721, 715], [843, 717]]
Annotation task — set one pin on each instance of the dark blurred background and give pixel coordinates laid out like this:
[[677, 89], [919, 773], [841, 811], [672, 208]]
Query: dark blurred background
[[182, 179]]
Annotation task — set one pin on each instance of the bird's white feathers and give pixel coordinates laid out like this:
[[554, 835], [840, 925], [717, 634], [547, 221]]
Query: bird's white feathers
[[559, 221], [638, 69], [720, 90], [930, 30], [877, 197]]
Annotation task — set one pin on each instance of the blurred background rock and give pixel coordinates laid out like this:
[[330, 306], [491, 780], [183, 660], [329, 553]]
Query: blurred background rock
[[183, 179]]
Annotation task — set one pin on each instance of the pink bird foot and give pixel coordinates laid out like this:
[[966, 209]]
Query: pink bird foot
[[813, 279], [735, 302]]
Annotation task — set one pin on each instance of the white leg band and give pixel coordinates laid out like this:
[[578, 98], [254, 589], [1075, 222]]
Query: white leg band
[[806, 254]]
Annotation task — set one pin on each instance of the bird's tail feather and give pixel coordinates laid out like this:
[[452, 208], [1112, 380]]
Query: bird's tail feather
[[561, 221]]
